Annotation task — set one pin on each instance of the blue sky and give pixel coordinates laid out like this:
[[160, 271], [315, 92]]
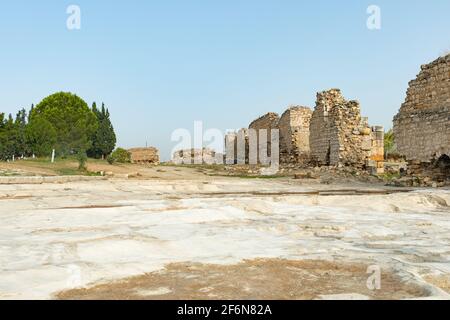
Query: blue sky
[[161, 65]]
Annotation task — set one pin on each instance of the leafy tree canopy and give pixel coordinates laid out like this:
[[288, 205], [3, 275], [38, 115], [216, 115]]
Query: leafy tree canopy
[[41, 137], [74, 123]]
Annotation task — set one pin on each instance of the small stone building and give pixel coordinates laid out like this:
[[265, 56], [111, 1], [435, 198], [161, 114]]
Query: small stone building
[[422, 126], [294, 135], [144, 155], [340, 136]]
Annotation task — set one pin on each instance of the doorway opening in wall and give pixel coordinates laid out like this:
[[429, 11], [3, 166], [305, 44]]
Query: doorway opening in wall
[[443, 163], [328, 156]]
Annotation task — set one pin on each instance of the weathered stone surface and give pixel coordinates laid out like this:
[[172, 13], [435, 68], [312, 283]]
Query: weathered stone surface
[[196, 156], [422, 126], [428, 173], [334, 134], [144, 155], [294, 134], [51, 179], [124, 228], [267, 122], [340, 136], [237, 147]]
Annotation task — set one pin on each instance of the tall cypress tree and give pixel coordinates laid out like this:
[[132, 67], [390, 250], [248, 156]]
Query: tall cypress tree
[[31, 111], [20, 127], [94, 109], [2, 137], [9, 139], [104, 139]]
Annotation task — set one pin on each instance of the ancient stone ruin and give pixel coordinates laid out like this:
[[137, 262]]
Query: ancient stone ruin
[[267, 122], [196, 156], [144, 155], [422, 126], [334, 134], [294, 134], [340, 136], [246, 145], [237, 147]]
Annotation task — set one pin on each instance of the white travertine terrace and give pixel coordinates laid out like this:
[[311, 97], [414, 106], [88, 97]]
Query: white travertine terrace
[[58, 236]]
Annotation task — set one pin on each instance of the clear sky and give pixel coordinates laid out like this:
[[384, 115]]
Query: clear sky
[[161, 65]]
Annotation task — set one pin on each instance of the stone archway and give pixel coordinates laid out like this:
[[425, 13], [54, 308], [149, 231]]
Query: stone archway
[[443, 165]]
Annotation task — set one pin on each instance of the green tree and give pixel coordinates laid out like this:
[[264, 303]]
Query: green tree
[[120, 155], [82, 158], [3, 137], [41, 137], [104, 138], [8, 139], [389, 143], [73, 121], [31, 111], [20, 124]]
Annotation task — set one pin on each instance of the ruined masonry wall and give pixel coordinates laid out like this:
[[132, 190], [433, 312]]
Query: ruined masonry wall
[[422, 126], [339, 135], [189, 156], [148, 155], [268, 122], [324, 132], [232, 141], [294, 134]]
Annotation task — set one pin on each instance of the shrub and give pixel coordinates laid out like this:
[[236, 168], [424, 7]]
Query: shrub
[[110, 159], [82, 159], [120, 155]]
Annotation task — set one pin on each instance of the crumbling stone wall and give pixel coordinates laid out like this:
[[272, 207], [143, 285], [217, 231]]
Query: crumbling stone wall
[[435, 173], [294, 135], [377, 144], [324, 132], [422, 126], [340, 136], [144, 155], [269, 122], [235, 141], [190, 156], [376, 154]]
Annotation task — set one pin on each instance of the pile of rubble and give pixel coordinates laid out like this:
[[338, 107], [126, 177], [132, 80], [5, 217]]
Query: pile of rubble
[[425, 174]]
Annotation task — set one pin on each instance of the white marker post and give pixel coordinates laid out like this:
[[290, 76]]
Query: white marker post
[[53, 155]]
